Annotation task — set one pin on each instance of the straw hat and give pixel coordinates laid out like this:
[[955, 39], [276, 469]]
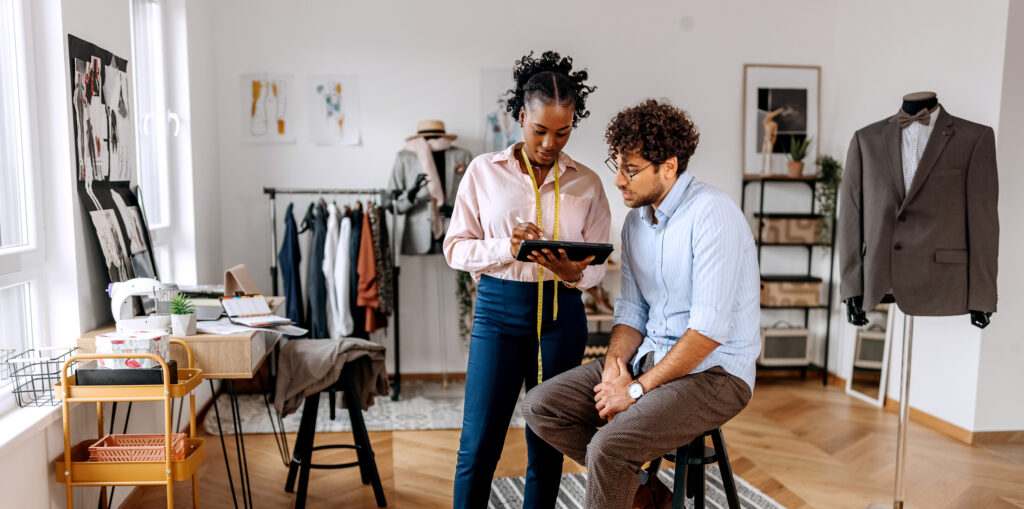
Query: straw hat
[[431, 128]]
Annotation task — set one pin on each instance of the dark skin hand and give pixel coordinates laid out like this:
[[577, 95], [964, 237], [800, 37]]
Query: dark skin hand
[[561, 265]]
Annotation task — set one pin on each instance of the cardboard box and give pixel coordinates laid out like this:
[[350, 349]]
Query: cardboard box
[[796, 291], [790, 229]]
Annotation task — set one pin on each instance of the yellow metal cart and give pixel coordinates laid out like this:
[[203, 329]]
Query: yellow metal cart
[[74, 467]]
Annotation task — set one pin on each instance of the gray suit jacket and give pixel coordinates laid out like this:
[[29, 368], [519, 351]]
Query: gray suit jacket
[[934, 247], [417, 238]]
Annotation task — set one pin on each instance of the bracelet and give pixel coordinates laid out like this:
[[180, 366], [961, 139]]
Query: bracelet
[[574, 283]]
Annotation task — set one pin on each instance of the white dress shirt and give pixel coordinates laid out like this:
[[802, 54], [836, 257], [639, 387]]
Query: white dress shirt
[[915, 139]]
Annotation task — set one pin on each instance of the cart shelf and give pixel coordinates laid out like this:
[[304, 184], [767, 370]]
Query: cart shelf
[[188, 379], [133, 473]]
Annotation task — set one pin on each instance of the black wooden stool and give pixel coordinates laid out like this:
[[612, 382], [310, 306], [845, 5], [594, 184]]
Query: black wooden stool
[[689, 482], [303, 453]]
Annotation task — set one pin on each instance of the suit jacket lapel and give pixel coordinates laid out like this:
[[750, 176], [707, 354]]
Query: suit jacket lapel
[[936, 142], [893, 136]]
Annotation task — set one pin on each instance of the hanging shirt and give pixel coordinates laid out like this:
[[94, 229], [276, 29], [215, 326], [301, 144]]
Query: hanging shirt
[[330, 258], [341, 278], [317, 283], [358, 312], [915, 139], [288, 259], [367, 267]]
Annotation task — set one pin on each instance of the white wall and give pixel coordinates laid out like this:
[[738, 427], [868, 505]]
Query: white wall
[[418, 60], [884, 50], [1000, 405]]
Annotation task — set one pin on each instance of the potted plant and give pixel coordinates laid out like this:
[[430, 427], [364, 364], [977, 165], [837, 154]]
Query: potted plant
[[830, 173], [797, 153], [183, 316]]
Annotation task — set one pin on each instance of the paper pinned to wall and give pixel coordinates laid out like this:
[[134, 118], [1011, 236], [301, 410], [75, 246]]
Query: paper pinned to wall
[[267, 114], [334, 109]]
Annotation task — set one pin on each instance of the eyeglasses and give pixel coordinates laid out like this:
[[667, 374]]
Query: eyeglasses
[[614, 168]]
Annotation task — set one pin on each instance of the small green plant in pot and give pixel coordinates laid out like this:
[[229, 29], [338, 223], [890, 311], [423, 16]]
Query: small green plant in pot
[[830, 174], [183, 316], [797, 153]]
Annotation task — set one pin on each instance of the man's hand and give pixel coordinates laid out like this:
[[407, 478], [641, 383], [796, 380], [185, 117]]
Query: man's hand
[[612, 395]]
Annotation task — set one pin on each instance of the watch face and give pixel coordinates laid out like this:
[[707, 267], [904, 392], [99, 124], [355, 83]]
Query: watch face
[[635, 390]]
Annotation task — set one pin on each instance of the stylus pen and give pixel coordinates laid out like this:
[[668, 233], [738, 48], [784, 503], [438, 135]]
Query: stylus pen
[[545, 237]]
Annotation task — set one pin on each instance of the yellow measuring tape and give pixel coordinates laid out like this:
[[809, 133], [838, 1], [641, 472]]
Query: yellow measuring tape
[[540, 269]]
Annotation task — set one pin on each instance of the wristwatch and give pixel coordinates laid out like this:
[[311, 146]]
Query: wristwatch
[[635, 390]]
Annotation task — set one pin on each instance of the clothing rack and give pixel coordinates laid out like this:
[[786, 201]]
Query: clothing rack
[[385, 203]]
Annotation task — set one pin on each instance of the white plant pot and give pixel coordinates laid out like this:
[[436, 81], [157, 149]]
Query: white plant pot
[[183, 325]]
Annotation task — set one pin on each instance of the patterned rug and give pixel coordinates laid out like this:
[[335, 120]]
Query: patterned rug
[[507, 492], [424, 406]]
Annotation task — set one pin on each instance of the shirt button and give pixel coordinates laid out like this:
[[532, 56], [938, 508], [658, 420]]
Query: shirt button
[[664, 295], [897, 246], [661, 324], [902, 218]]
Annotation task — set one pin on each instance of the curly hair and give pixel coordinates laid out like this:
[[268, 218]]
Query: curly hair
[[549, 78], [656, 131]]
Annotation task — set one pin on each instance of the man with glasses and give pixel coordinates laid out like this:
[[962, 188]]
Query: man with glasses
[[681, 357]]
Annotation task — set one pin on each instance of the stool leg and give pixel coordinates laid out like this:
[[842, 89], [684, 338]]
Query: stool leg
[[367, 464], [355, 416], [698, 486], [728, 483], [332, 395], [307, 423], [679, 479], [307, 450]]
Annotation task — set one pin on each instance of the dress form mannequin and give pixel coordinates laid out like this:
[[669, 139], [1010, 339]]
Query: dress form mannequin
[[855, 314]]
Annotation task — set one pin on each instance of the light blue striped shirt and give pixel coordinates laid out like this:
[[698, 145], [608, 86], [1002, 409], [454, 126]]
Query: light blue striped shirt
[[696, 268]]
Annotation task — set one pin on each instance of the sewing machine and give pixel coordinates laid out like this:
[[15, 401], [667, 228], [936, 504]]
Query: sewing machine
[[121, 304]]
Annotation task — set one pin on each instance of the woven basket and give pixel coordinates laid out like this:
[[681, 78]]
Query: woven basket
[[136, 448]]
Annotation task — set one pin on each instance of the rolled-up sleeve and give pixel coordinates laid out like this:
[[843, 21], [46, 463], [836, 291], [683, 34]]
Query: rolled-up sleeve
[[718, 242], [630, 308], [595, 229], [465, 247]]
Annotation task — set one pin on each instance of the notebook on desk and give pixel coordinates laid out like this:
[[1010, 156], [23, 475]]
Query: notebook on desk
[[252, 311]]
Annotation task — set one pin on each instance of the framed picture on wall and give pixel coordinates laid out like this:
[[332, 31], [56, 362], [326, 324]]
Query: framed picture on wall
[[781, 106]]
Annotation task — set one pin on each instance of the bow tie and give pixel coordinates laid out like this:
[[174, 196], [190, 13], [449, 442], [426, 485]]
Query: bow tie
[[905, 119]]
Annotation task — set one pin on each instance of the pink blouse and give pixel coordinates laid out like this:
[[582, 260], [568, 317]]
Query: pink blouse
[[494, 192]]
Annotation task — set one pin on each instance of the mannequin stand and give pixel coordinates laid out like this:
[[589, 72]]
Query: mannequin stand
[[901, 431]]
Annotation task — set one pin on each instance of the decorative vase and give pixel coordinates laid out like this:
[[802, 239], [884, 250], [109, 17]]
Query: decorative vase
[[796, 169], [183, 325]]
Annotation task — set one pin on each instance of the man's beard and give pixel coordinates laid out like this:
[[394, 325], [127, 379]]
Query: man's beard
[[647, 199]]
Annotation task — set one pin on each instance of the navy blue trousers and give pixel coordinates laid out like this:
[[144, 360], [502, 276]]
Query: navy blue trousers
[[502, 355]]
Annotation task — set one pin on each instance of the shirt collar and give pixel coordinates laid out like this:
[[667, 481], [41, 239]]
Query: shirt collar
[[564, 161], [672, 201]]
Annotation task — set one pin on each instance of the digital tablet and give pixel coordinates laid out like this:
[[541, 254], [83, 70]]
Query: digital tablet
[[575, 250]]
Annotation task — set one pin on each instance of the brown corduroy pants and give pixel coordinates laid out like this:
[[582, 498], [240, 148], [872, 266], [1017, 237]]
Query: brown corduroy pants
[[562, 411]]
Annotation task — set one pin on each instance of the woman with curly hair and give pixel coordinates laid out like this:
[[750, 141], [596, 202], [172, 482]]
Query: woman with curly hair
[[528, 323]]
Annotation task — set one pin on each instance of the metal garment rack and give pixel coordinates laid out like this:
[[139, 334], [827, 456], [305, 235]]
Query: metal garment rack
[[385, 202]]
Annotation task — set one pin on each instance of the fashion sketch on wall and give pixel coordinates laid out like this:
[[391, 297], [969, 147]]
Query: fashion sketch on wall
[[266, 108], [780, 107], [500, 128], [104, 139], [333, 109], [105, 159]]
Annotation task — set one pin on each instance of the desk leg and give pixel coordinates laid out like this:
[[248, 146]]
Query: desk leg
[[223, 448], [243, 464]]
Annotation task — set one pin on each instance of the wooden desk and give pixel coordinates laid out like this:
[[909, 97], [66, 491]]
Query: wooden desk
[[219, 356]]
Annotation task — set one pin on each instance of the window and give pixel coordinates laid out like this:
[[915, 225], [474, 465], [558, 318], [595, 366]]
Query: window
[[153, 115], [13, 199], [21, 257]]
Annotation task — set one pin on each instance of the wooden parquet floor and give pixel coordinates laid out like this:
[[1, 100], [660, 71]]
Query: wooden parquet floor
[[799, 443]]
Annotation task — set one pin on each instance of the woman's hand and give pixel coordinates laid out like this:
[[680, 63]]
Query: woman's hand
[[524, 231], [566, 269]]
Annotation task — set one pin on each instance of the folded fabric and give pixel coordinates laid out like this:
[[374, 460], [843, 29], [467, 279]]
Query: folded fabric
[[308, 366]]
